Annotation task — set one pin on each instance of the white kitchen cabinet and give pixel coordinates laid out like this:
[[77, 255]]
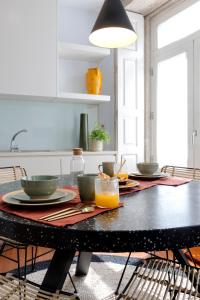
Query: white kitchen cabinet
[[54, 163], [35, 65], [33, 164], [28, 52]]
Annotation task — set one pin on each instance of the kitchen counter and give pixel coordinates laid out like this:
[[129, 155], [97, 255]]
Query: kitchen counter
[[42, 162], [24, 153]]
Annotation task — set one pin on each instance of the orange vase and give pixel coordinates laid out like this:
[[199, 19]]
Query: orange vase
[[94, 81]]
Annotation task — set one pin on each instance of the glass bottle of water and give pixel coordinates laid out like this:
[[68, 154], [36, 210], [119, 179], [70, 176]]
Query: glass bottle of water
[[77, 165]]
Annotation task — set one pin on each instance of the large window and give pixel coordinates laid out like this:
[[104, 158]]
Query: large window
[[175, 87], [179, 26], [172, 107]]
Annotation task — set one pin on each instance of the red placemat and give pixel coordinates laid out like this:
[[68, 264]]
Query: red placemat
[[145, 184], [172, 181], [34, 213]]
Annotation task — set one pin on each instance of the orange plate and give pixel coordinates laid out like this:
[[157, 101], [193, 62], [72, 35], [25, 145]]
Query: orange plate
[[130, 184]]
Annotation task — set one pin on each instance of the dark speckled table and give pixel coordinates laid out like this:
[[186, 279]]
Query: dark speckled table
[[158, 218]]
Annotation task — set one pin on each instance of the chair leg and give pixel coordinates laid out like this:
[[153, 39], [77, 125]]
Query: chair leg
[[25, 262], [2, 247], [191, 257], [18, 264], [122, 275], [20, 275], [129, 281], [120, 280], [33, 257], [72, 282]]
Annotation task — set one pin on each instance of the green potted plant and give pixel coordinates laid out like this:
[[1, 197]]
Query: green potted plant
[[97, 137]]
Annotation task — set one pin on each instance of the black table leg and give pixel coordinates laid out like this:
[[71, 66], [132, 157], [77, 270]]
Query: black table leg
[[57, 270], [83, 264], [180, 256]]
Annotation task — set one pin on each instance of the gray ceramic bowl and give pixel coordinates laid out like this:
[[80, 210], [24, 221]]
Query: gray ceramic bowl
[[147, 168], [42, 185]]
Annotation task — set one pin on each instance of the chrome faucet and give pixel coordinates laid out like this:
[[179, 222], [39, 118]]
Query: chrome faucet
[[13, 146]]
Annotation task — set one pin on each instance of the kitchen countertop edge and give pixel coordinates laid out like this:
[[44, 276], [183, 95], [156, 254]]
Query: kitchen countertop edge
[[52, 153]]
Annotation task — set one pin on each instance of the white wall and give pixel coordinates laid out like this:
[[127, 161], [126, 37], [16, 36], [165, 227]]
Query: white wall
[[75, 25], [51, 126]]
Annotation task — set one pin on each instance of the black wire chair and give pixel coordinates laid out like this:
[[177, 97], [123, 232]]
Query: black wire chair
[[16, 289], [9, 174], [185, 172], [162, 279]]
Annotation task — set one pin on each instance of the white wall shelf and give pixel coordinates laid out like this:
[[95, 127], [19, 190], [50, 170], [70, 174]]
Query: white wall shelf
[[83, 98], [81, 52], [62, 97]]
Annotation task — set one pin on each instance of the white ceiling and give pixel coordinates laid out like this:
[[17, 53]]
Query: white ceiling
[[83, 4], [143, 7]]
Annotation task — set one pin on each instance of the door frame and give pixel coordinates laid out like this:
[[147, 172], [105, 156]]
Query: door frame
[[132, 152], [197, 100], [183, 45]]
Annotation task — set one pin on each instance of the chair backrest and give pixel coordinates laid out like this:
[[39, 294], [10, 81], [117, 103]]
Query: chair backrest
[[8, 174], [192, 173]]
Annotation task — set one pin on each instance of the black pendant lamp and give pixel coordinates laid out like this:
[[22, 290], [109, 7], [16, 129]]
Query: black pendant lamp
[[113, 28]]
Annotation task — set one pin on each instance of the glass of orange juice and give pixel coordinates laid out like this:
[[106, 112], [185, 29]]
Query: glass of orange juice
[[107, 192]]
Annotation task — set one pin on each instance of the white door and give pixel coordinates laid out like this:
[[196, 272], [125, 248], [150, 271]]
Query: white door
[[130, 98], [173, 109]]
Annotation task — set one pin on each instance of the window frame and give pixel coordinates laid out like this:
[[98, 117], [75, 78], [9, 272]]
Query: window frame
[[159, 54]]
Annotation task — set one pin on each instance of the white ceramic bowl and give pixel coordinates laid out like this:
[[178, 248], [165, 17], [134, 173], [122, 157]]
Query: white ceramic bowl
[[147, 168]]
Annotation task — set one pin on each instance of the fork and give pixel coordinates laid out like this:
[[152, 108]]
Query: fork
[[67, 212], [59, 212], [64, 215]]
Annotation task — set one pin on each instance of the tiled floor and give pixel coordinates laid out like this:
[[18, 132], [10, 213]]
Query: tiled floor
[[7, 265]]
